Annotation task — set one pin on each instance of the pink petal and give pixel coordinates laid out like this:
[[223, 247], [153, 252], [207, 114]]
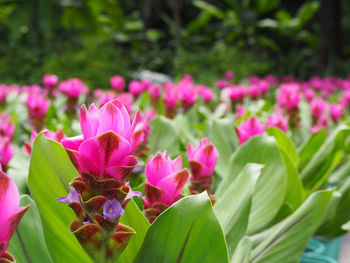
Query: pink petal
[[89, 120], [112, 119], [72, 143], [157, 168]]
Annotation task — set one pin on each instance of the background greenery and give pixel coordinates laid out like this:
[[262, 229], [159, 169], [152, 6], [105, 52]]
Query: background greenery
[[95, 39]]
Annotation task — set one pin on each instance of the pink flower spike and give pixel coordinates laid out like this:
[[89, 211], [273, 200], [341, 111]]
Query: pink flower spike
[[278, 120], [249, 128], [10, 212], [6, 151], [7, 128], [318, 106], [117, 83], [336, 111], [202, 158], [50, 81]]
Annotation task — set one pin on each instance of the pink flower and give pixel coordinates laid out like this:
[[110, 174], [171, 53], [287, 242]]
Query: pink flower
[[56, 136], [240, 111], [165, 179], [4, 90], [37, 105], [254, 90], [117, 83], [221, 84], [155, 90], [309, 94], [7, 128], [249, 128], [288, 96], [143, 124], [171, 98], [6, 151], [146, 83], [318, 107], [237, 93], [202, 158], [106, 147], [277, 120], [136, 87], [127, 100], [106, 97], [187, 94], [322, 122], [336, 111], [10, 212], [229, 75], [206, 93], [73, 87], [50, 81]]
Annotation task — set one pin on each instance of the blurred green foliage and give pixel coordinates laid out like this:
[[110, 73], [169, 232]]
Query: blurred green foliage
[[95, 39]]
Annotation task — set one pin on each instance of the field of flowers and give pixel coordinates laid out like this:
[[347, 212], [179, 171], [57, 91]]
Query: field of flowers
[[174, 171]]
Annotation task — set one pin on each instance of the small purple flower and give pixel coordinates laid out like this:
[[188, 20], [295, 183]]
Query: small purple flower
[[73, 196], [132, 193], [112, 210]]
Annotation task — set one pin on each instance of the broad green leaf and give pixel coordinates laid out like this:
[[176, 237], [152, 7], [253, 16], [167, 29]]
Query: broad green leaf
[[284, 143], [341, 173], [209, 8], [270, 189], [233, 207], [243, 251], [186, 232], [186, 132], [27, 244], [333, 226], [134, 218], [163, 135], [222, 134], [50, 172], [286, 241], [18, 170], [307, 11], [311, 146], [316, 172]]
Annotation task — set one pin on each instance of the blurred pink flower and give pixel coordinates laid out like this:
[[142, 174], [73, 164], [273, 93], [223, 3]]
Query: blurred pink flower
[[73, 87], [6, 152], [117, 83], [56, 136], [336, 111], [249, 127], [37, 105], [7, 128], [50, 81], [277, 120], [136, 87], [318, 106]]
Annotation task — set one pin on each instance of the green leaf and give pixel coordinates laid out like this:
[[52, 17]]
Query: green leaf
[[243, 251], [286, 241], [222, 134], [309, 149], [284, 143], [307, 11], [50, 172], [27, 244], [188, 232], [261, 150], [209, 8], [316, 172], [233, 207], [18, 170], [163, 135], [134, 218]]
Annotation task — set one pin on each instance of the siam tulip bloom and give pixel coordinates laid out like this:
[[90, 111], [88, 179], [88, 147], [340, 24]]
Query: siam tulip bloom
[[221, 84], [240, 111], [288, 96], [264, 86], [73, 87], [6, 151], [155, 90], [229, 75], [50, 81], [309, 94], [56, 136], [106, 147], [322, 122], [253, 79], [127, 99], [237, 94], [206, 93], [37, 105], [170, 100], [202, 160], [146, 83], [136, 88], [7, 128], [278, 120], [165, 179], [336, 111], [106, 97], [318, 106], [10, 213], [117, 83], [271, 80], [316, 83], [187, 94], [4, 91], [254, 90], [249, 127]]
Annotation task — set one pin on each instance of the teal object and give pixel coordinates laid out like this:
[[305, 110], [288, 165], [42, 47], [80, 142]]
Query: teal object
[[315, 246], [316, 258], [332, 247]]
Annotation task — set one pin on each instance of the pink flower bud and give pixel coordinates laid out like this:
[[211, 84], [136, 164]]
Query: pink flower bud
[[6, 152], [73, 87], [202, 158], [155, 90], [277, 120], [117, 83], [237, 93], [11, 213], [318, 107], [7, 128], [206, 93], [336, 111], [229, 75], [37, 105], [221, 84], [249, 128], [50, 81], [166, 178], [136, 87], [288, 96]]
